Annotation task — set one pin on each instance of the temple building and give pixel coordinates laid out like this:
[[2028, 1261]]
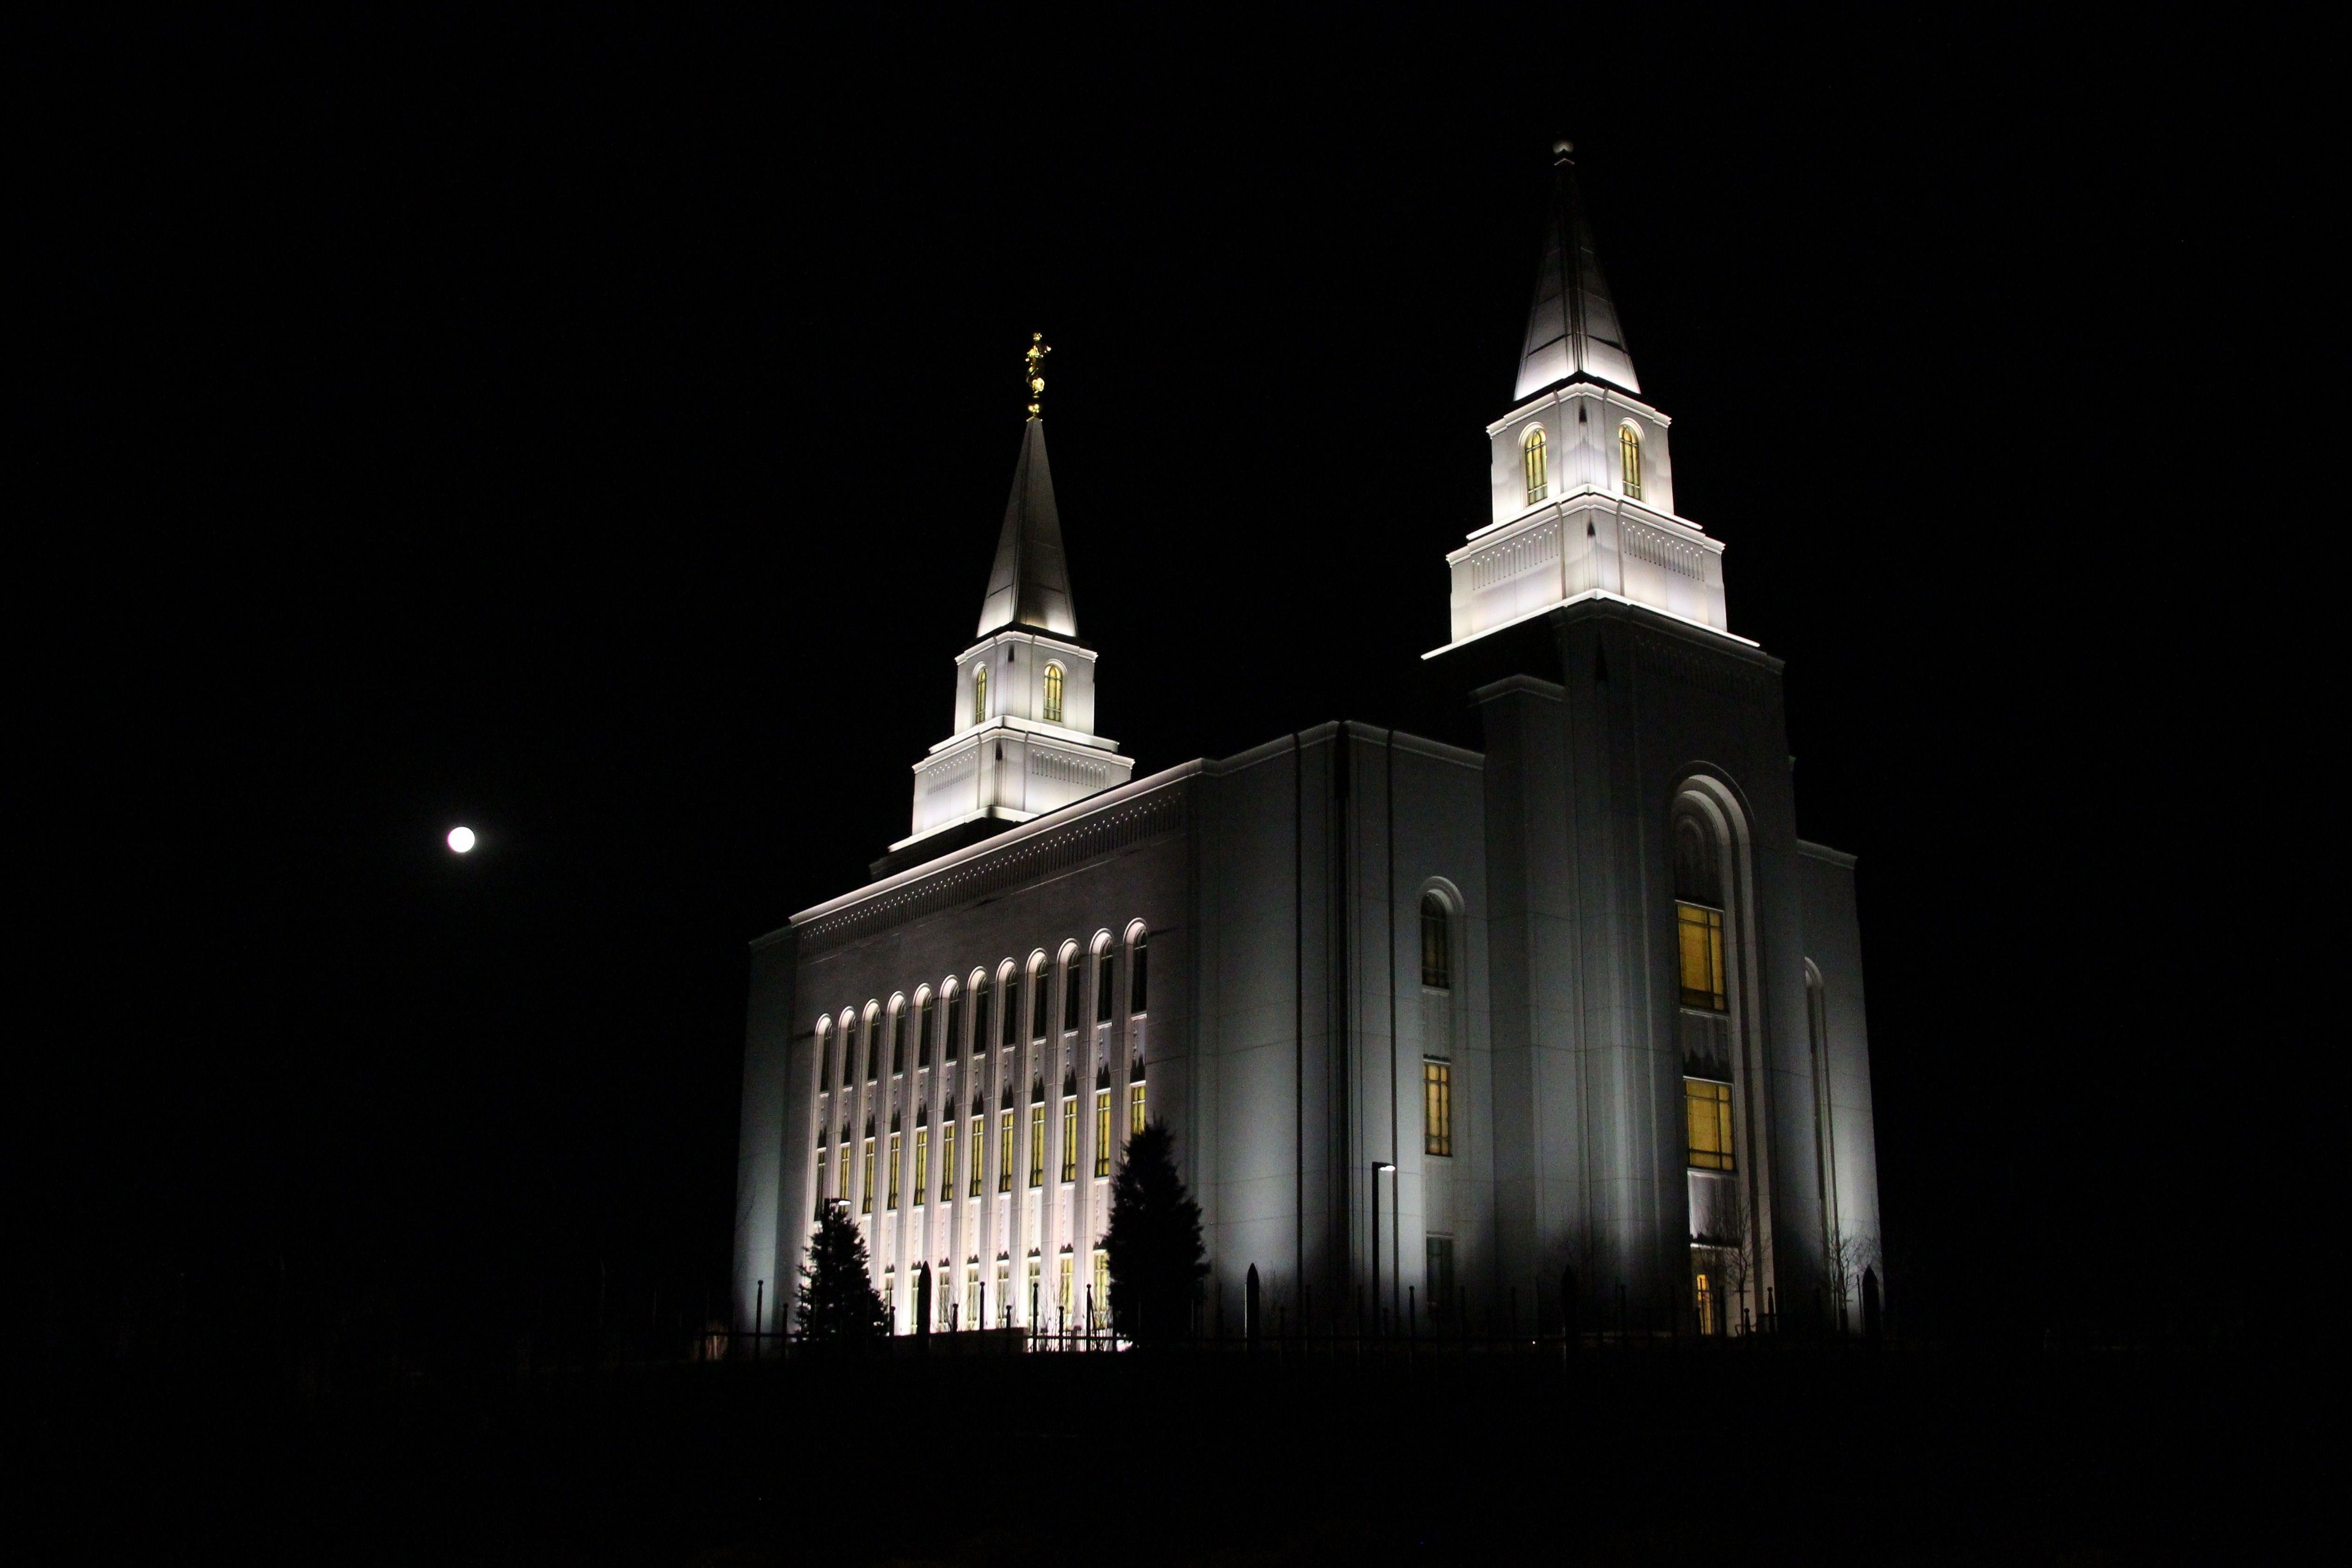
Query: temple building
[[1572, 1020]]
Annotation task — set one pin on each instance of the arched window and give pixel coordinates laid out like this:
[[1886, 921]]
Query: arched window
[[898, 1035], [1073, 984], [1629, 460], [1436, 942], [923, 1020], [952, 1022], [979, 694], [1053, 694], [980, 1015], [848, 1050], [1138, 970], [1041, 999], [1533, 462], [1105, 982], [1011, 1010]]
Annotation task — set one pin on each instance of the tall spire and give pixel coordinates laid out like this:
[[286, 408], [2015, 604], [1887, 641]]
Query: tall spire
[[1030, 584], [1572, 331]]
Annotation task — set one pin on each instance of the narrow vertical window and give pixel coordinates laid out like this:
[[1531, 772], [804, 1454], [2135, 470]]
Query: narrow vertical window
[[1703, 1298], [979, 694], [1036, 1277], [1053, 694], [820, 1179], [1437, 1107], [979, 1150], [1102, 1132], [1005, 1153], [1708, 1107], [1073, 979], [897, 1041], [865, 1198], [980, 1017], [1070, 1137], [1138, 971], [1106, 986], [972, 1304], [1098, 1310], [1062, 1279], [892, 1201], [951, 1027], [1041, 1003], [1629, 460], [947, 1158], [922, 1163], [1135, 1108], [848, 1052], [1011, 1010], [873, 1048], [1436, 942], [890, 1299], [1533, 462], [1037, 1144], [842, 1178], [1698, 934], [1438, 1260]]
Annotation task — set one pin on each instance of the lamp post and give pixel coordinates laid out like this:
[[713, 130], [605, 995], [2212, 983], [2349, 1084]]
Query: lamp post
[[1378, 1167]]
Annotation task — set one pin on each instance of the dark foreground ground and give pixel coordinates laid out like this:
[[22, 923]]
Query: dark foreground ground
[[1789, 1454]]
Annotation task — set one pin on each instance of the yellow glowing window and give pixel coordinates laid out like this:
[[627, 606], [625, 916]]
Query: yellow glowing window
[[1102, 1132], [979, 1152], [1703, 1292], [1098, 1310], [1070, 1138], [1708, 1106], [979, 694], [893, 1201], [922, 1163], [973, 1312], [947, 1159], [1629, 460], [1698, 933], [866, 1199], [1135, 1108], [1535, 463], [1053, 694], [843, 1178], [1437, 1107], [1037, 1144], [1004, 1155], [1062, 1282]]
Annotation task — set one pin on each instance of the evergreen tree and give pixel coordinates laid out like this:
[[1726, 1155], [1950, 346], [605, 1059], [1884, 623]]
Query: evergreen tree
[[838, 1302], [1154, 1242]]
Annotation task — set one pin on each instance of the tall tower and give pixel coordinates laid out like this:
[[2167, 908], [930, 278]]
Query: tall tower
[[1022, 742], [1582, 477]]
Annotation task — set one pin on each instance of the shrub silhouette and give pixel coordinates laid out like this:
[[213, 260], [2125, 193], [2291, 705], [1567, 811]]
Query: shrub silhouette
[[1154, 1242], [838, 1303]]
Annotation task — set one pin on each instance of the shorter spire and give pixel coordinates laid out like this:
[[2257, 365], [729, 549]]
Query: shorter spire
[[1573, 329]]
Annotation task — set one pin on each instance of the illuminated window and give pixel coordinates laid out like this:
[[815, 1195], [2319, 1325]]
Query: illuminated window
[[1036, 1278], [1437, 1107], [893, 1200], [979, 1152], [972, 1297], [891, 1298], [979, 694], [1709, 1108], [1629, 460], [1071, 977], [1533, 461], [1699, 941], [1070, 1137], [1106, 985], [1062, 1282], [866, 1199], [1037, 1144], [1053, 694], [923, 1162], [1135, 1108], [842, 1177], [1005, 1290], [1138, 972], [1098, 1310], [947, 1158], [1004, 1154], [1102, 1132], [1703, 1297], [1436, 942]]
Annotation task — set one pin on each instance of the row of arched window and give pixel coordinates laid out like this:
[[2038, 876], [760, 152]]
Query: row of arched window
[[1534, 462], [934, 1020], [1054, 677]]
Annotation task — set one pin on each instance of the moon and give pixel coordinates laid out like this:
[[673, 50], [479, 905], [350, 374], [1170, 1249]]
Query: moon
[[461, 840]]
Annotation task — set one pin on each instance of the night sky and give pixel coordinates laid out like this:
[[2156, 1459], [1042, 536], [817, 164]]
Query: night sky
[[597, 433]]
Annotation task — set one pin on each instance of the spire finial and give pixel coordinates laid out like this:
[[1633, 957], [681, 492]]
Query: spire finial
[[1563, 151], [1038, 349]]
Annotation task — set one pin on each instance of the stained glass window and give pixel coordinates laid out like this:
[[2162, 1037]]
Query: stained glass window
[[1534, 462], [1709, 1108]]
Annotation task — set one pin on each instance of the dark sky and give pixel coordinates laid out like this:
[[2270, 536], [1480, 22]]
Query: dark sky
[[596, 432]]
